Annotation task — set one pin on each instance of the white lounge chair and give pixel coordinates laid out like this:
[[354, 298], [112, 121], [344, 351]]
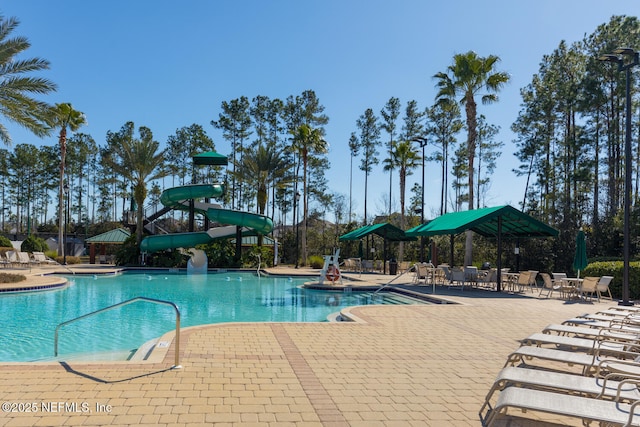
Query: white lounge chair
[[585, 408], [630, 332], [601, 344], [43, 259], [576, 384]]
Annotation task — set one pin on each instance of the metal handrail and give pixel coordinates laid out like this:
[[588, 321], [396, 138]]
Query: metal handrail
[[130, 301], [391, 281]]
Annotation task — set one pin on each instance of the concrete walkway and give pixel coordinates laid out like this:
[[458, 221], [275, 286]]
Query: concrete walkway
[[399, 366]]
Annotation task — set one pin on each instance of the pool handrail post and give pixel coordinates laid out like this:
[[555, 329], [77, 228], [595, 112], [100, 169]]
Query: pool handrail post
[[120, 304]]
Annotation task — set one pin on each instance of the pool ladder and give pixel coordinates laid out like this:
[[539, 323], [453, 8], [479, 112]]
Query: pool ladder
[[127, 302]]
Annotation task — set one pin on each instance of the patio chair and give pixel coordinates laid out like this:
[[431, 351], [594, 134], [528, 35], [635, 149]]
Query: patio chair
[[471, 275], [489, 279], [548, 286], [457, 277], [533, 275], [603, 287], [563, 382], [585, 408], [588, 287], [421, 271], [522, 282]]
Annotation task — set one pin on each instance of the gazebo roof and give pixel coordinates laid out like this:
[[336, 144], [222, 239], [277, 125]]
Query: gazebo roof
[[210, 158], [114, 237]]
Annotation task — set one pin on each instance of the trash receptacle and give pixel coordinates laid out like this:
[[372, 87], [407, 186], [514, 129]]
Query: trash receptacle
[[393, 266]]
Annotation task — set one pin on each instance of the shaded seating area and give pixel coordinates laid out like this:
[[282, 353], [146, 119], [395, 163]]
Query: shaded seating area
[[500, 222], [386, 231], [98, 244]]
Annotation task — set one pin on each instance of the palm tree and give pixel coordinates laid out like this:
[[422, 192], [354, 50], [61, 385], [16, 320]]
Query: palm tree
[[467, 76], [138, 161], [306, 142], [264, 167], [15, 87], [63, 116], [405, 159]]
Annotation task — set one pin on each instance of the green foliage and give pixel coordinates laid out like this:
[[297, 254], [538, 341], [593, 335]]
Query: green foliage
[[68, 259], [33, 244], [129, 252], [315, 261], [167, 259], [5, 242], [257, 254], [220, 253]]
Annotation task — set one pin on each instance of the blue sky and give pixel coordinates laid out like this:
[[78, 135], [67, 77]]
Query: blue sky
[[168, 64]]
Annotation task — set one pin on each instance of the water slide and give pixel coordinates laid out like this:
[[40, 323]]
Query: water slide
[[179, 197]]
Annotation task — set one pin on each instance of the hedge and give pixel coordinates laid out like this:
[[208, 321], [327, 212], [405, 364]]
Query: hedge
[[614, 268]]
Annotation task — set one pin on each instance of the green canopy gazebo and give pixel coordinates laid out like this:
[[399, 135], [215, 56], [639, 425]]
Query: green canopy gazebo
[[388, 232], [112, 237], [498, 222]]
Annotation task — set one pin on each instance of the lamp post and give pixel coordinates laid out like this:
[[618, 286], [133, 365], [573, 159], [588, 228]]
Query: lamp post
[[423, 143], [618, 56], [66, 221], [296, 201]]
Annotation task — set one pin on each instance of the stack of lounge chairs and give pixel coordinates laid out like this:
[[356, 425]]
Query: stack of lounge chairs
[[586, 368]]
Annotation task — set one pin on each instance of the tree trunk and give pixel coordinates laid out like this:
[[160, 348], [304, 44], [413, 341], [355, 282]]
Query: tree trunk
[[472, 126]]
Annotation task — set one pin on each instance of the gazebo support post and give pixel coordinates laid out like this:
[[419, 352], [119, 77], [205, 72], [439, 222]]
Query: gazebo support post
[[499, 260], [451, 237]]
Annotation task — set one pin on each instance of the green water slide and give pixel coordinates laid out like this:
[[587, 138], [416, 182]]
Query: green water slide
[[178, 198]]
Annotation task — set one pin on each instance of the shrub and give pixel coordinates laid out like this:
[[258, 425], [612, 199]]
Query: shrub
[[11, 278], [257, 255], [614, 268], [315, 261], [5, 242], [34, 244], [69, 259]]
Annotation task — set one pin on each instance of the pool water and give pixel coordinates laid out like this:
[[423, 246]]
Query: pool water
[[29, 319]]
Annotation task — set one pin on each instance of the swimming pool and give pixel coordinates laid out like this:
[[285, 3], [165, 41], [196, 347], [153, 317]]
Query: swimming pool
[[30, 319]]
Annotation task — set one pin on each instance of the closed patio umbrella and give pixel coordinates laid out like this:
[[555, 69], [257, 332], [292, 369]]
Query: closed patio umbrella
[[580, 259]]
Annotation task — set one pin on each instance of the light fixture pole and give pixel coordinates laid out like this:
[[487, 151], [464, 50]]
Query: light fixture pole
[[296, 202], [423, 143], [618, 56], [66, 221]]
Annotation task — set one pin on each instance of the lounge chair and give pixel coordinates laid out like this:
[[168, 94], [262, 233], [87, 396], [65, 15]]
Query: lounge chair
[[603, 287], [602, 344], [585, 408], [558, 381], [630, 332], [12, 258], [525, 354], [43, 259]]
